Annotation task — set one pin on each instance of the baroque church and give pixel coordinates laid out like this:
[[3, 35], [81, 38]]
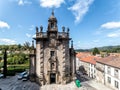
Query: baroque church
[[52, 60]]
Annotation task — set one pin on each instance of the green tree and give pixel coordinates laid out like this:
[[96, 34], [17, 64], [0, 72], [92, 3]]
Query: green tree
[[27, 45], [19, 47], [5, 64], [95, 51], [10, 61]]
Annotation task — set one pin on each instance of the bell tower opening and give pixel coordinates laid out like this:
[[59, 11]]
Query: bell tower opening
[[52, 23], [52, 78]]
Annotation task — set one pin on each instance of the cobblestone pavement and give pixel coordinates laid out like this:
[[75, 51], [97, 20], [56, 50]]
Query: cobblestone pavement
[[11, 83]]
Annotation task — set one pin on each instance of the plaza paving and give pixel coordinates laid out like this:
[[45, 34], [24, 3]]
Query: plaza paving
[[11, 83]]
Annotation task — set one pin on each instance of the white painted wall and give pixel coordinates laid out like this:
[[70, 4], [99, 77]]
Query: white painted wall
[[78, 63], [92, 70], [90, 66], [113, 78]]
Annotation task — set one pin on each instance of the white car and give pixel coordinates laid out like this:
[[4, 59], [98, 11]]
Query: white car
[[25, 77], [1, 75], [21, 75]]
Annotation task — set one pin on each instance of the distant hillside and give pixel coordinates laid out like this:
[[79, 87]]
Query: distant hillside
[[109, 49], [112, 49], [83, 50]]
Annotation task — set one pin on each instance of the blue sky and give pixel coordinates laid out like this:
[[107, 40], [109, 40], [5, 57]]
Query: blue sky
[[92, 23]]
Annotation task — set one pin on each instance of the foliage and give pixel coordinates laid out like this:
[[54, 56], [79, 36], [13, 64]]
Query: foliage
[[27, 45], [1, 64], [10, 73], [16, 69], [95, 51], [18, 58], [82, 50], [5, 64], [19, 47], [108, 49]]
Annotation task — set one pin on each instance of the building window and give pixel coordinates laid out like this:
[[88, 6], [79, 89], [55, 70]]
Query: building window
[[109, 80], [52, 53], [116, 84], [116, 73], [52, 25], [109, 70], [52, 65]]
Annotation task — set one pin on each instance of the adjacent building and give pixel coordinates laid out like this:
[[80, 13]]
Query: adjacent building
[[80, 55], [110, 71], [86, 64], [52, 61]]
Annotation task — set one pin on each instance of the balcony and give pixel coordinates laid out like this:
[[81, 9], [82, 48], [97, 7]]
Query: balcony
[[62, 35], [41, 35]]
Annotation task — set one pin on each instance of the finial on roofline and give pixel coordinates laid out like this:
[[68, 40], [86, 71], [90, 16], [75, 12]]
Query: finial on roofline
[[32, 43], [71, 43], [53, 11]]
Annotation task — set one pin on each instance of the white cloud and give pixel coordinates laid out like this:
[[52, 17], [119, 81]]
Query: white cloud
[[51, 3], [7, 41], [111, 25], [4, 25], [96, 41], [34, 36], [20, 2], [80, 8], [23, 2], [32, 27], [114, 34], [28, 35]]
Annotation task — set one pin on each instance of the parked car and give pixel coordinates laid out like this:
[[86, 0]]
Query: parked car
[[1, 75], [21, 75], [25, 77]]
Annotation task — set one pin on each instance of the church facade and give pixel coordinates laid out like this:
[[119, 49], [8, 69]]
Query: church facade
[[52, 60]]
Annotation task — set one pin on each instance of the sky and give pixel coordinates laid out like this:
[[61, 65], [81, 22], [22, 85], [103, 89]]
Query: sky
[[92, 23]]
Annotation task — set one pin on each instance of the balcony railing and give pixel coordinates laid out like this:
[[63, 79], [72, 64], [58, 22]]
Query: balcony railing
[[41, 35], [44, 35], [63, 35]]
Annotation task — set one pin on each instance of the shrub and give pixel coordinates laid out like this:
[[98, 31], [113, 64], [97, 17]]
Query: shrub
[[16, 69]]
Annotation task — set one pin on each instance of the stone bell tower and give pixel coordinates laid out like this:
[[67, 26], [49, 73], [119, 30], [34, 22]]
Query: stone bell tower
[[52, 61]]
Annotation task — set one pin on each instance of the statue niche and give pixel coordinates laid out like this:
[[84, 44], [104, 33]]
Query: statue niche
[[52, 42]]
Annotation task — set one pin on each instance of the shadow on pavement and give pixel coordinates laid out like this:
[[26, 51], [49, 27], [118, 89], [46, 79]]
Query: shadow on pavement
[[83, 78]]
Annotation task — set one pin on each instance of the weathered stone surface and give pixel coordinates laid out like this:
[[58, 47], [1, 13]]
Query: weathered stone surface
[[53, 61]]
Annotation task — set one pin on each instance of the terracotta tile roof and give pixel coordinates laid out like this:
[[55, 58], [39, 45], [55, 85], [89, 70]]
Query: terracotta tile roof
[[82, 54], [87, 57], [111, 61]]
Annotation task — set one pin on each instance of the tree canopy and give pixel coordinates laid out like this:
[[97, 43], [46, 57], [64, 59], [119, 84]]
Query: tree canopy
[[95, 51]]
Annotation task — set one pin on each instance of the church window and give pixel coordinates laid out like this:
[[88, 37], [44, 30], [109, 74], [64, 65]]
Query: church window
[[52, 53], [52, 25]]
